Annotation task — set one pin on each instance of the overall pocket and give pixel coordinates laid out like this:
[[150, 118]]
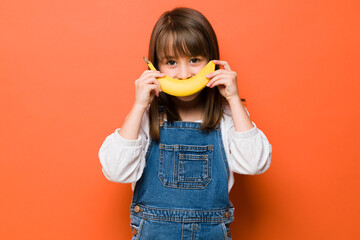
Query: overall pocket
[[185, 166]]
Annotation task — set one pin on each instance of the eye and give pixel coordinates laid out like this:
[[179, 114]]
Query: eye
[[171, 62], [194, 60]]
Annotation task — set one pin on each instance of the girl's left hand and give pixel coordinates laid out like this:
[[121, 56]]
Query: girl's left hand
[[225, 80]]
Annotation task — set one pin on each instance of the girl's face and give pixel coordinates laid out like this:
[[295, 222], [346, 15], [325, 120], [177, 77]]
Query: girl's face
[[182, 68]]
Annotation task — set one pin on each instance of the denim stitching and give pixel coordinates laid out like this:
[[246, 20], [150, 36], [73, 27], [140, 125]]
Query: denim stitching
[[185, 125], [179, 180], [178, 210], [140, 228], [182, 231], [174, 170], [182, 219], [197, 158], [223, 227], [215, 216], [194, 228], [184, 147]]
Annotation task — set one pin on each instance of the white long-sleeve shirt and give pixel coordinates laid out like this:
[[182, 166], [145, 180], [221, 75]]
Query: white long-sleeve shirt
[[247, 152]]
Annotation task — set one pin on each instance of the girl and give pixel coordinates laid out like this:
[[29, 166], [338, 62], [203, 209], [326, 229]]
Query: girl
[[180, 152]]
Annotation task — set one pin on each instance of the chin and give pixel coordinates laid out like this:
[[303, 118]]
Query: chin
[[189, 98]]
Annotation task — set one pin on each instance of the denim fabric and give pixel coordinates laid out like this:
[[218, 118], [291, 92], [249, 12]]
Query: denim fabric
[[183, 191]]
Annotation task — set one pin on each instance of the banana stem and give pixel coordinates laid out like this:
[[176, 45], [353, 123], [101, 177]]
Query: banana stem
[[151, 66]]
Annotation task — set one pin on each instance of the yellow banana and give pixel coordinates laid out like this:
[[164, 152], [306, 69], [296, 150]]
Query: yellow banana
[[182, 88]]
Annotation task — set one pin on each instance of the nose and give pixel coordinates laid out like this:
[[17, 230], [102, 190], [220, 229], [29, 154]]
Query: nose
[[184, 72]]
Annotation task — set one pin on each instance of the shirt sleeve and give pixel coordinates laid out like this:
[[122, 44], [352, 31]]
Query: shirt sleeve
[[123, 160], [249, 152]]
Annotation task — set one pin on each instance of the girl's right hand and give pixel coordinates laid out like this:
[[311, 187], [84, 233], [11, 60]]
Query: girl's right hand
[[146, 87]]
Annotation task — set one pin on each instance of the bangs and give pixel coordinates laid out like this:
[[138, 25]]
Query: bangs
[[181, 42]]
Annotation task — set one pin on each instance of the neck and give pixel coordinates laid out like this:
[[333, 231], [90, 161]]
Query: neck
[[191, 110]]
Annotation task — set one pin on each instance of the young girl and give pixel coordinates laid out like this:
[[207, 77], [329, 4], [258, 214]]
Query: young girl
[[180, 152]]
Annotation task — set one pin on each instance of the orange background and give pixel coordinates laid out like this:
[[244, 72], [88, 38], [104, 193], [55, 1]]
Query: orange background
[[67, 70]]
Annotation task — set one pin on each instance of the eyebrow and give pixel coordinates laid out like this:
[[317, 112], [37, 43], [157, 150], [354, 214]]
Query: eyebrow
[[167, 57]]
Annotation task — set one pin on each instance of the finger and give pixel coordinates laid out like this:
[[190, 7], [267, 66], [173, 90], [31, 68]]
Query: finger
[[219, 82], [149, 73], [154, 88], [150, 89], [156, 82], [153, 81], [215, 73], [159, 74], [214, 80], [223, 63], [149, 78]]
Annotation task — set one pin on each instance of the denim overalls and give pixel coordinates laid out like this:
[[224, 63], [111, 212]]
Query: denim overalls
[[183, 191]]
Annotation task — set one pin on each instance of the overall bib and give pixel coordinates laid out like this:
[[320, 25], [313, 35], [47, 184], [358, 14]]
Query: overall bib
[[183, 192]]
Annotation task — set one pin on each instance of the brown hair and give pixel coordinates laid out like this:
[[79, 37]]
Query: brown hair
[[191, 34]]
